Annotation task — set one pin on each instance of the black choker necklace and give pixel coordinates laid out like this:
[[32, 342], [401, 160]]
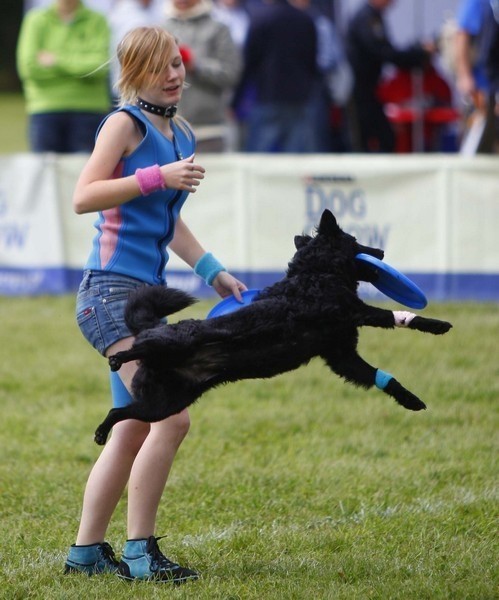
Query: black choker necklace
[[162, 111]]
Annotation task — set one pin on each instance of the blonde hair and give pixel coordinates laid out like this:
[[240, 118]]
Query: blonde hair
[[143, 54]]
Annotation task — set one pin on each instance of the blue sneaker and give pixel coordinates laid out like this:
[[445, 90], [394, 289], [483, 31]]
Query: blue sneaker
[[92, 559], [142, 559]]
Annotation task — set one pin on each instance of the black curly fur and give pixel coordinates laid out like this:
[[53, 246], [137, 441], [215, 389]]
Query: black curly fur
[[313, 311]]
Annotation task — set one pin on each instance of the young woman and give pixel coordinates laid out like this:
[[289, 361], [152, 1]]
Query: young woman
[[139, 174]]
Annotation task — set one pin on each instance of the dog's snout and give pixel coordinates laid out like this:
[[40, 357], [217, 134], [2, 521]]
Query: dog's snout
[[376, 252]]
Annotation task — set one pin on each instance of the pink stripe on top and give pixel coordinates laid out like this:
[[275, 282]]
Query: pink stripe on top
[[110, 234], [110, 227]]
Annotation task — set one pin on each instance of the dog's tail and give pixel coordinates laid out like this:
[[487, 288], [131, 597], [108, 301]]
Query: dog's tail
[[147, 305]]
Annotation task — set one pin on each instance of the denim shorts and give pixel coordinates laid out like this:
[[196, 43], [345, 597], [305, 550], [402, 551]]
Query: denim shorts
[[100, 307]]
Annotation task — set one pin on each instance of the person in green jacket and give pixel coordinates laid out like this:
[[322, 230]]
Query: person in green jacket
[[61, 53]]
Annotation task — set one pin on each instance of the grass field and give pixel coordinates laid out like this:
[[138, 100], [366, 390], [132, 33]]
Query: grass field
[[301, 487], [13, 124]]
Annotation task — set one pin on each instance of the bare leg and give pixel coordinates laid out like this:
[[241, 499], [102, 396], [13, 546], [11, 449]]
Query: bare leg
[[137, 451], [150, 471], [108, 479]]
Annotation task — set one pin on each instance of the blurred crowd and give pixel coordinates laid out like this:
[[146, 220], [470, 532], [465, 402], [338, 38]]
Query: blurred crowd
[[272, 76]]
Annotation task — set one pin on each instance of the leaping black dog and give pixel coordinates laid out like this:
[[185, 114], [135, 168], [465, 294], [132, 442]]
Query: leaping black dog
[[313, 311]]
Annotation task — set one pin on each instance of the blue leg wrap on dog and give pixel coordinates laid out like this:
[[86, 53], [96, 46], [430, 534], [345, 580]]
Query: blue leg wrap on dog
[[382, 379]]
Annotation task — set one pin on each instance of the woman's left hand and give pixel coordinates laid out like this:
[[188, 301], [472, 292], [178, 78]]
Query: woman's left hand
[[226, 285]]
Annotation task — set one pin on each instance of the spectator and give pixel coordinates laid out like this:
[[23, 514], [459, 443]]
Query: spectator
[[213, 65], [369, 49], [333, 86], [490, 46], [124, 16], [234, 14], [60, 56], [280, 57], [470, 71], [471, 75]]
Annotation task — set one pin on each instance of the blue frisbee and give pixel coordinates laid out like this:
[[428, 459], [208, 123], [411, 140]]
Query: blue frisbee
[[394, 284], [230, 304]]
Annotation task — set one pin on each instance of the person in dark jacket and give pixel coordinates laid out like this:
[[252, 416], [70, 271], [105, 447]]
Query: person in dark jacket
[[369, 48], [280, 65]]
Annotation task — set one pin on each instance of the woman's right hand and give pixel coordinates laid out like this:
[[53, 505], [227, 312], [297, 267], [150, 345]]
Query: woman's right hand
[[183, 175]]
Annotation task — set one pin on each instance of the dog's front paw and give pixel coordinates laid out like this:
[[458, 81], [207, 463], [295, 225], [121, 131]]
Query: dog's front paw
[[426, 325], [403, 396], [441, 327]]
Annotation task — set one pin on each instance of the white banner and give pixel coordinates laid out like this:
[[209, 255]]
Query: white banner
[[434, 215]]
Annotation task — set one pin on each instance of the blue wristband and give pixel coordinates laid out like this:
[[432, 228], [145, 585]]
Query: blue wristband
[[208, 267], [382, 379]]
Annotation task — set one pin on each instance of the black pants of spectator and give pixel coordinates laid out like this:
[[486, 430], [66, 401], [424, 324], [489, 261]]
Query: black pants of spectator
[[371, 129], [63, 132], [489, 143]]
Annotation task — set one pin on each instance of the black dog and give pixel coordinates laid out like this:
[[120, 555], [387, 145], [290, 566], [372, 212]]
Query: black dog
[[313, 311]]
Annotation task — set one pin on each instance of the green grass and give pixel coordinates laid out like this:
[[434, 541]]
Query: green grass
[[13, 124], [301, 487]]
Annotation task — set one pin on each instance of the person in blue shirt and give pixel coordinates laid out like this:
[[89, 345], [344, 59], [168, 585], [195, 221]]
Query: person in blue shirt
[[470, 72], [137, 178], [472, 78]]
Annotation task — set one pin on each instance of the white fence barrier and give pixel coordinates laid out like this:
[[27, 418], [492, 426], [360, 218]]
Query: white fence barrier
[[436, 217]]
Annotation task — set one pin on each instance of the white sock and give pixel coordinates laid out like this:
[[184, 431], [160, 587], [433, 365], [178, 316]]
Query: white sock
[[402, 318]]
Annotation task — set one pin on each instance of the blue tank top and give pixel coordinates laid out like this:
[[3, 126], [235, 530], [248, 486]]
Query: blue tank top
[[132, 238]]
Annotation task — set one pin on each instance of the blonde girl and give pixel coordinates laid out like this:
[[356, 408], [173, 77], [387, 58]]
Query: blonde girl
[[137, 178]]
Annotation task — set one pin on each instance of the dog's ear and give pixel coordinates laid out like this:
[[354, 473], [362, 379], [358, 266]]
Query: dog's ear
[[301, 240], [328, 224]]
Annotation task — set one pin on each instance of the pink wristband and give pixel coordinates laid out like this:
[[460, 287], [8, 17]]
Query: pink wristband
[[150, 180]]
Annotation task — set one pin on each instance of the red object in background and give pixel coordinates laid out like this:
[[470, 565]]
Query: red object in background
[[401, 107], [186, 54]]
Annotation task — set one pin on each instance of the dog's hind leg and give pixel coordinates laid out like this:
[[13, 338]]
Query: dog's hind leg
[[115, 415], [356, 370], [160, 344], [136, 352], [117, 360], [146, 411], [137, 410]]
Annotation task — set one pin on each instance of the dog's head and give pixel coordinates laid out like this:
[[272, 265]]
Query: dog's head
[[332, 248]]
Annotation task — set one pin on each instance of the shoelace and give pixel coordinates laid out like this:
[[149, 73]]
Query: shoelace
[[158, 559], [107, 553]]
